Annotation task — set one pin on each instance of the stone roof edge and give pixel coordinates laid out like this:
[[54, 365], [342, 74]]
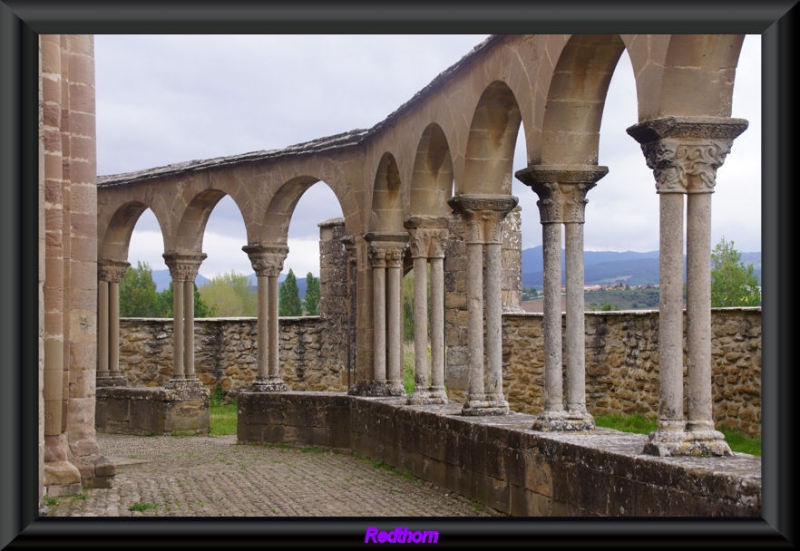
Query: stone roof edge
[[353, 137]]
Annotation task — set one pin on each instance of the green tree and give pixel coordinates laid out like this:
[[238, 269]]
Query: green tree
[[201, 309], [733, 282], [289, 300], [230, 295], [138, 296], [312, 295]]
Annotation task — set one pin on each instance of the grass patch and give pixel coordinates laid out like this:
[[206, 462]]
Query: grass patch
[[223, 418], [141, 507], [51, 501], [736, 439]]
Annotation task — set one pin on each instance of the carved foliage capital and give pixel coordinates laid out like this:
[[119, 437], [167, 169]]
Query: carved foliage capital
[[686, 166], [267, 261], [183, 267], [112, 270], [562, 189], [427, 242], [484, 215]]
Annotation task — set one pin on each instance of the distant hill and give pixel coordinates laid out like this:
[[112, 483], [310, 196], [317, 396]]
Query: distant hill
[[634, 268], [162, 279]]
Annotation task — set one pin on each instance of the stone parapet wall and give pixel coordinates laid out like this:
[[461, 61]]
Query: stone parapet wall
[[226, 353], [621, 359], [500, 462], [622, 364]]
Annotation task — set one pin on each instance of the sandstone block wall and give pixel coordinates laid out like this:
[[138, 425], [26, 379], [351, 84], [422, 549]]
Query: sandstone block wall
[[226, 353], [622, 364]]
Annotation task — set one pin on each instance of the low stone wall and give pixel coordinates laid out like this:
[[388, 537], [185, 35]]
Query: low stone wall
[[621, 360], [622, 364], [312, 352], [501, 463]]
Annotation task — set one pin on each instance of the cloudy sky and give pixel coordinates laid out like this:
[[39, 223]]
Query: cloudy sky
[[168, 99]]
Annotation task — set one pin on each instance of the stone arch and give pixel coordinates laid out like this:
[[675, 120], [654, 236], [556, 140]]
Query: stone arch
[[432, 179], [116, 239], [191, 228], [576, 97], [387, 212], [279, 212], [490, 146]]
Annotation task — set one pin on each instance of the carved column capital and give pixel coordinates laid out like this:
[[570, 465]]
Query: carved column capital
[[561, 189], [267, 260], [386, 250], [427, 236], [112, 270], [484, 215], [183, 267], [685, 152]]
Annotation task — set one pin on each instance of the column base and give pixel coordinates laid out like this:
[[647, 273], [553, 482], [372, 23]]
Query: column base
[[375, 388], [687, 443], [273, 384], [184, 384], [111, 381], [563, 421], [485, 405]]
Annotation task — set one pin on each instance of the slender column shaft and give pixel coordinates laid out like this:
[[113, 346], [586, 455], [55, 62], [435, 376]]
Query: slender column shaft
[[113, 332], [420, 323], [177, 329], [379, 323], [394, 315], [188, 328], [551, 253], [263, 330], [494, 321], [102, 329], [670, 343], [698, 310], [274, 356], [575, 340], [475, 316], [437, 323]]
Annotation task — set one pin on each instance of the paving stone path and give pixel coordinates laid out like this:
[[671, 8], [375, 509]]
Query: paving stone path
[[165, 476]]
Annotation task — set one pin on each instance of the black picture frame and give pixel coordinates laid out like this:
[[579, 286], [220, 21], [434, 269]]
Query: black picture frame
[[22, 21]]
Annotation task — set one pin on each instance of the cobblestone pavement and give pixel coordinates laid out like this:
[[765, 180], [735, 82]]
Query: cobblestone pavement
[[165, 476]]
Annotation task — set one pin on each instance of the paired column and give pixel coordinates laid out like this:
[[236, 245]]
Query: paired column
[[183, 269], [484, 215], [684, 154], [562, 200], [427, 241], [267, 262], [109, 274], [386, 252]]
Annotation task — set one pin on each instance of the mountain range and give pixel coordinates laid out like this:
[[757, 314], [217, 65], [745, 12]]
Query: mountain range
[[633, 268]]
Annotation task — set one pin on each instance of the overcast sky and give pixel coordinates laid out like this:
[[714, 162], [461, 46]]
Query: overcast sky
[[170, 99]]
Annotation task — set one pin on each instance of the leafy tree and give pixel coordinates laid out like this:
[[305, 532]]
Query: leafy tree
[[289, 300], [733, 282], [201, 309], [230, 295], [137, 293], [312, 295]]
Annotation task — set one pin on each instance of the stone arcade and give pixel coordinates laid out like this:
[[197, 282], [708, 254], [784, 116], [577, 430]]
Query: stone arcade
[[429, 185]]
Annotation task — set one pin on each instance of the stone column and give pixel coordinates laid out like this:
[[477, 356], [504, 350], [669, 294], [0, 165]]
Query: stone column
[[183, 269], [484, 216], [562, 200], [684, 154], [386, 251], [267, 262], [110, 274], [427, 241]]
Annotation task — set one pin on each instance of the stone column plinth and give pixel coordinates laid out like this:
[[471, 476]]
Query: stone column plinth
[[427, 241], [109, 274], [484, 216], [267, 262], [684, 154], [562, 200], [386, 251], [183, 268]]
